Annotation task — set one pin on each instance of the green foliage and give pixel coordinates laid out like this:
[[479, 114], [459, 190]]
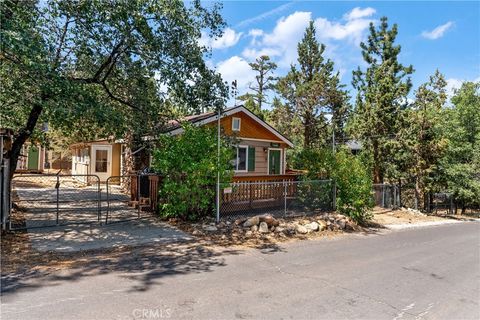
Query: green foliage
[[189, 165], [460, 167], [101, 68], [317, 163], [354, 187], [382, 93], [351, 175], [312, 90], [421, 140]]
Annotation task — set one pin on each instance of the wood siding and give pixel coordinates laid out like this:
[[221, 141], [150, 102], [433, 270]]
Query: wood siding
[[249, 128], [261, 157]]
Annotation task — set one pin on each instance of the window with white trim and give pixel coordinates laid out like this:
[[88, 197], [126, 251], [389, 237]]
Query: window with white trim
[[236, 122], [240, 161]]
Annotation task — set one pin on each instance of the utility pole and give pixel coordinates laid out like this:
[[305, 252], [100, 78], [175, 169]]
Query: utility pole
[[218, 166]]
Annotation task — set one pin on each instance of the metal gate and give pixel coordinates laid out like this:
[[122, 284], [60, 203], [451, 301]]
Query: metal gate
[[129, 197], [45, 200]]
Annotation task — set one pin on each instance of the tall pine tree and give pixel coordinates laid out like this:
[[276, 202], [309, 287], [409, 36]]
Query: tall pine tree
[[382, 94], [264, 79], [312, 90]]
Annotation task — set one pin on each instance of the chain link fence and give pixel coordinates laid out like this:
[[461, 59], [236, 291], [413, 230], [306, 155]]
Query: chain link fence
[[127, 198], [386, 195], [278, 198], [44, 200]]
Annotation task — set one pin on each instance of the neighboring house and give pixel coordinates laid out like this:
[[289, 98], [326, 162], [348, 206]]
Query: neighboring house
[[101, 158], [260, 150], [31, 159], [355, 146]]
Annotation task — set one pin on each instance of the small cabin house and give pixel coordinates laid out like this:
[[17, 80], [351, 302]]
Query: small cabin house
[[261, 150]]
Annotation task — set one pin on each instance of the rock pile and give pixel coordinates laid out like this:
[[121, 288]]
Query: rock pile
[[266, 224]]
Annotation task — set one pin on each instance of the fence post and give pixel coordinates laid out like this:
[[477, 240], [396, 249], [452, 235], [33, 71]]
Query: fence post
[[138, 194], [99, 200], [57, 186], [334, 195], [6, 193], [285, 198], [108, 199], [383, 196]]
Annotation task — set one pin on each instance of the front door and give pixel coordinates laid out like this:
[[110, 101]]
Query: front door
[[33, 155], [274, 163], [102, 161]]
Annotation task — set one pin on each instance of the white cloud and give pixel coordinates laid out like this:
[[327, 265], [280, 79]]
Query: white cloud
[[229, 38], [288, 31], [438, 31], [358, 13], [255, 33], [252, 54], [454, 84], [236, 68], [282, 41]]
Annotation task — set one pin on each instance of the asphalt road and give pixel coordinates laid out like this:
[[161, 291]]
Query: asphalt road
[[425, 273]]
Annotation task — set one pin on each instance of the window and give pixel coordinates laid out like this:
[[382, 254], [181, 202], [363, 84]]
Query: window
[[240, 162], [101, 160], [236, 124]]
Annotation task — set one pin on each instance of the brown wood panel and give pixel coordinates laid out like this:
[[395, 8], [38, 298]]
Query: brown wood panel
[[249, 128]]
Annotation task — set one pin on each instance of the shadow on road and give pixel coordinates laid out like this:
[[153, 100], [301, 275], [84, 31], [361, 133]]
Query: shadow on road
[[145, 265]]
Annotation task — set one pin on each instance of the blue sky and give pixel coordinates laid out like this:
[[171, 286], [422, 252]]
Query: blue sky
[[433, 34]]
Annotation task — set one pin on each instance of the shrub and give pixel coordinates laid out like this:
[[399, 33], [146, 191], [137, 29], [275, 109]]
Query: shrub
[[354, 187], [351, 174], [188, 163]]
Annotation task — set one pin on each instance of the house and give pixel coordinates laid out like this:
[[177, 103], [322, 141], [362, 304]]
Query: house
[[261, 150], [31, 159]]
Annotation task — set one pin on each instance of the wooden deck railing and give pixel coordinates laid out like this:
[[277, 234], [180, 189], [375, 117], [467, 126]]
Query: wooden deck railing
[[258, 191]]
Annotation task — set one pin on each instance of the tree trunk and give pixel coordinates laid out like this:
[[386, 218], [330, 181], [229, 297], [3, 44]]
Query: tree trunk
[[377, 170], [417, 193], [23, 135], [399, 193]]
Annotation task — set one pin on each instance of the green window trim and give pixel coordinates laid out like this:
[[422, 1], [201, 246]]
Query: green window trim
[[251, 159]]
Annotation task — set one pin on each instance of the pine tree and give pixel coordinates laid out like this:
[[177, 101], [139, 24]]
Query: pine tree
[[264, 79], [426, 143], [382, 94], [460, 167], [312, 91]]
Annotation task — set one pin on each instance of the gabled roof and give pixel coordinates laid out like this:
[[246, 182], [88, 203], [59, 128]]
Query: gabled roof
[[204, 118]]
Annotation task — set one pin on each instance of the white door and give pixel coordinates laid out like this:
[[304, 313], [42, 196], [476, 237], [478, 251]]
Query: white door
[[102, 161]]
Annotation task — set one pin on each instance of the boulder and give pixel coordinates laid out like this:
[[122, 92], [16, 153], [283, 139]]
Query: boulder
[[239, 221], [196, 232], [340, 224], [248, 234], [301, 229], [209, 228], [263, 227], [253, 221], [291, 227], [269, 220], [221, 225], [322, 225], [279, 229], [312, 226], [254, 228]]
